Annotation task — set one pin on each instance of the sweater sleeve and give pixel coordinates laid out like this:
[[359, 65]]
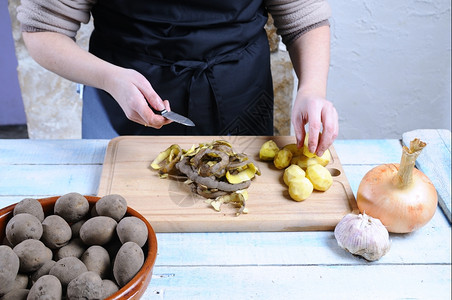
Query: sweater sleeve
[[62, 16], [293, 18]]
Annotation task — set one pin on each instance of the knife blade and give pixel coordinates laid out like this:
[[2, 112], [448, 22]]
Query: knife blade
[[176, 117]]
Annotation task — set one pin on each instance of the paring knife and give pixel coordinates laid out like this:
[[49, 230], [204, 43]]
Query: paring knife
[[176, 117]]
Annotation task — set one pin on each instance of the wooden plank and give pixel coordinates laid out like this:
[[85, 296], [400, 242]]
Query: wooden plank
[[435, 162], [301, 282], [368, 152], [304, 248], [24, 151], [172, 208], [49, 180], [8, 200]]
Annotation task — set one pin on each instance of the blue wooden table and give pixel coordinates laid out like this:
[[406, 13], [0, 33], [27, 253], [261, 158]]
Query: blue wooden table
[[261, 265]]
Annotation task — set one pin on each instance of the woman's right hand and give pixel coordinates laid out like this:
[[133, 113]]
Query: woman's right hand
[[61, 55], [133, 92]]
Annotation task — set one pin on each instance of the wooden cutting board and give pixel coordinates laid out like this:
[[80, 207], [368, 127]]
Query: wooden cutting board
[[169, 205]]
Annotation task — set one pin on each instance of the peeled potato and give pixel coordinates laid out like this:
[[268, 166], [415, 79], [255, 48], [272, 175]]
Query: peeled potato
[[282, 159], [268, 150], [320, 177], [292, 173], [324, 159], [300, 189], [306, 155], [294, 149], [306, 151], [303, 161]]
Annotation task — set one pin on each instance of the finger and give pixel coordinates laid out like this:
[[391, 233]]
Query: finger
[[152, 99], [168, 108], [297, 129], [166, 103], [314, 126], [298, 126], [151, 96], [154, 120], [148, 117], [300, 141], [330, 129], [299, 134]]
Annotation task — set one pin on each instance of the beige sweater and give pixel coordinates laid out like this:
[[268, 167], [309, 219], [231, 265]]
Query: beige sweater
[[292, 18]]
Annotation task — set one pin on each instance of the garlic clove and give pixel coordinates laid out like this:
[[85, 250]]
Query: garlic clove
[[363, 235]]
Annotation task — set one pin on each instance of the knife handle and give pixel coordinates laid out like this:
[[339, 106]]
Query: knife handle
[[157, 111]]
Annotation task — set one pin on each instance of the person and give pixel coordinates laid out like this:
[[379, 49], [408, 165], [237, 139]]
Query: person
[[209, 60]]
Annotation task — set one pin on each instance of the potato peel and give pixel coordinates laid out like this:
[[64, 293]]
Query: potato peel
[[238, 198], [214, 171]]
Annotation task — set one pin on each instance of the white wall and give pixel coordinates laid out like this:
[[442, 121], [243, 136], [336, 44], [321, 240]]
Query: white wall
[[390, 66]]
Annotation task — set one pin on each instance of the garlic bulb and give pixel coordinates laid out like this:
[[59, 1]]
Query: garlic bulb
[[363, 235]]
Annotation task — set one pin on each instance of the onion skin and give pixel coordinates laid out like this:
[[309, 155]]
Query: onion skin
[[401, 208]]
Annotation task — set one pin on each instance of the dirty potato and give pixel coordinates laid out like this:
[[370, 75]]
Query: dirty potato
[[87, 285], [132, 229], [97, 259], [21, 281], [16, 294], [43, 270], [32, 255], [113, 206], [67, 269], [47, 287], [75, 228], [30, 206], [9, 267], [74, 248], [22, 227], [72, 207], [109, 287], [128, 262], [98, 230], [56, 232]]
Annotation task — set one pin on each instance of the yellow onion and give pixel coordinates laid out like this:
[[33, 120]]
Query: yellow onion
[[401, 196]]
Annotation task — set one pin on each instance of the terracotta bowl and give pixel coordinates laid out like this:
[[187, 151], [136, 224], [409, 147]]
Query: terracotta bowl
[[137, 286]]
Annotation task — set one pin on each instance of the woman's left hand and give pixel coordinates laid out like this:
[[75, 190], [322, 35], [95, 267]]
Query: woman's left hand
[[322, 119]]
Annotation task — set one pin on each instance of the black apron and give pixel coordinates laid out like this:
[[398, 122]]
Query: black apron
[[210, 59]]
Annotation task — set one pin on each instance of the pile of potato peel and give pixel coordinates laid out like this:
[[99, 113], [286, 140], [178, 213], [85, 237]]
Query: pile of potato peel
[[212, 170]]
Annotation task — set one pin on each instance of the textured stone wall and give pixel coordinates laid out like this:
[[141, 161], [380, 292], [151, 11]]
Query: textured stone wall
[[53, 106], [283, 81]]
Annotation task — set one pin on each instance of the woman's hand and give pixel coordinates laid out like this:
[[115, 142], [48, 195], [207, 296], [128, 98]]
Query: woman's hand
[[310, 55], [319, 114], [61, 55], [133, 92]]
